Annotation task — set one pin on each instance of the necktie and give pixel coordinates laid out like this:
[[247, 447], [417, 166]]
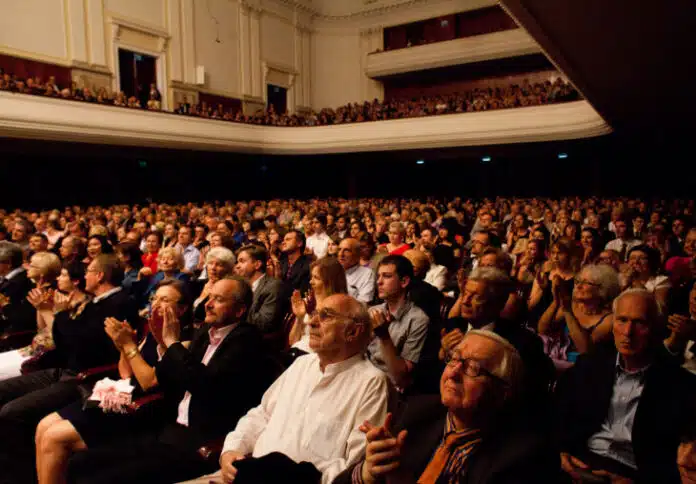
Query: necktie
[[622, 252], [463, 441]]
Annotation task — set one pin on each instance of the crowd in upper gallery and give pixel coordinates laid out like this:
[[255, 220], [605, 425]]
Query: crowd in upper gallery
[[499, 341], [474, 100]]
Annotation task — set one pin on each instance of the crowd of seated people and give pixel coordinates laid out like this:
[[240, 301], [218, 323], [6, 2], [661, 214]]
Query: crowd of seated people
[[333, 340], [475, 100]]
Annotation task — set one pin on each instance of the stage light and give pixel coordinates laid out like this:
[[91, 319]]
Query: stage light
[[562, 156], [420, 162], [486, 159]]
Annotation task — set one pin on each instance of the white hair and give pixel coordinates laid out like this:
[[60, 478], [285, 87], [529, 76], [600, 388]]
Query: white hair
[[498, 284], [607, 278], [510, 367], [223, 255], [655, 311]]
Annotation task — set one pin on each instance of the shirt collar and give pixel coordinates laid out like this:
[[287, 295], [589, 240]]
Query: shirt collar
[[216, 335], [106, 294], [14, 272], [336, 368], [353, 269], [255, 284], [620, 369]]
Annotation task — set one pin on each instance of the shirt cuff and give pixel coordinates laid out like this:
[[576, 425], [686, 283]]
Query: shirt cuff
[[356, 477]]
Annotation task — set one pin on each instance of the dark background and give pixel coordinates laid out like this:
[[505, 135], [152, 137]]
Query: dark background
[[42, 175]]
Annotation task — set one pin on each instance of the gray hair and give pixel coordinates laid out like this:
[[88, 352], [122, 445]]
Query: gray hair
[[510, 368], [360, 316], [222, 255], [498, 284], [11, 253], [607, 278], [655, 310]]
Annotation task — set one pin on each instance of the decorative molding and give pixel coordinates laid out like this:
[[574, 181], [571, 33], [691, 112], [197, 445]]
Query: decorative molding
[[120, 21], [36, 117], [498, 45], [371, 30]]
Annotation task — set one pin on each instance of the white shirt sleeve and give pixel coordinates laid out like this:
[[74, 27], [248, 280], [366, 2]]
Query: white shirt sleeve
[[373, 408], [366, 291], [243, 438]]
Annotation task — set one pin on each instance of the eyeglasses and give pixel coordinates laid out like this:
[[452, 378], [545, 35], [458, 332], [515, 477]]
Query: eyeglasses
[[470, 367], [585, 282], [327, 314]]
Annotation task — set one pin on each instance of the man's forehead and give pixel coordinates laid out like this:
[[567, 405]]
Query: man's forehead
[[478, 347]]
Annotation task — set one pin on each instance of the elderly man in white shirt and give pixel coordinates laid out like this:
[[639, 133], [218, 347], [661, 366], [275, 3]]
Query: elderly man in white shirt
[[360, 280], [318, 242], [313, 412]]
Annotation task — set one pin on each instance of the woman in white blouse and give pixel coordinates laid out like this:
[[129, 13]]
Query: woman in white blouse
[[327, 278]]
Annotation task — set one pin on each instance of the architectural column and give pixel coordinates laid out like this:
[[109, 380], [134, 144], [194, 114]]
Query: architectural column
[[257, 78], [371, 39], [188, 39], [244, 50]]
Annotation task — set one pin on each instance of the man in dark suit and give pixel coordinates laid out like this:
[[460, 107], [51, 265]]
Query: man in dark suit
[[472, 432], [622, 408], [294, 263], [16, 314], [270, 297], [215, 381]]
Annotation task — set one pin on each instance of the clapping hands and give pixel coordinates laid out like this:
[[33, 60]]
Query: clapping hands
[[383, 452]]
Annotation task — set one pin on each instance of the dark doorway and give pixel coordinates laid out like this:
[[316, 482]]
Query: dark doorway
[[277, 97], [137, 72]]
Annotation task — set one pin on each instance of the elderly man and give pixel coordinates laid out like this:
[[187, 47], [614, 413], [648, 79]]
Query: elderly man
[[361, 280], [185, 245], [306, 427], [622, 408], [399, 326], [470, 432]]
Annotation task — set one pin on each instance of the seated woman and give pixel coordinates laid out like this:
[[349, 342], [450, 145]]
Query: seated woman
[[592, 245], [76, 427], [219, 262], [396, 244], [575, 321], [130, 257], [170, 263], [642, 272], [563, 262], [97, 244], [327, 278], [44, 268], [518, 235], [153, 243]]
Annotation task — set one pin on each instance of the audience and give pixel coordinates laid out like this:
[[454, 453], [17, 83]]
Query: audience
[[59, 325]]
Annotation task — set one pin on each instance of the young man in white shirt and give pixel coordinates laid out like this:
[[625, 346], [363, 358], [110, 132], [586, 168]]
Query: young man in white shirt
[[318, 242], [313, 412]]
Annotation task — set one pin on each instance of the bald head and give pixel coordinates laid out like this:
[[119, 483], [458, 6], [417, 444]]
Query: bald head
[[339, 329], [349, 253]]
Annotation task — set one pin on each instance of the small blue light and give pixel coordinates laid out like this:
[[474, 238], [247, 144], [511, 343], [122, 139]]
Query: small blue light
[[562, 156], [486, 159], [420, 162]]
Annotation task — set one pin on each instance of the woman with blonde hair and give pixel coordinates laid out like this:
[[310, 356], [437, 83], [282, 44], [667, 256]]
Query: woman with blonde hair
[[170, 262], [327, 278]]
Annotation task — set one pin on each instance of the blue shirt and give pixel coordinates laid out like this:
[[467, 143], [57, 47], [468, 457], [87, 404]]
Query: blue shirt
[[614, 438]]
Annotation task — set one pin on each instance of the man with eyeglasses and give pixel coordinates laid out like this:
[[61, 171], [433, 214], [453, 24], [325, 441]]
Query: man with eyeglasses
[[472, 431], [306, 428]]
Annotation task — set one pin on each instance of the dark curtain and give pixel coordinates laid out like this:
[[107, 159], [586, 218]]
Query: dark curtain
[[24, 68]]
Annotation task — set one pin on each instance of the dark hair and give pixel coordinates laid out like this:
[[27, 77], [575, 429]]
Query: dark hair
[[299, 236], [257, 253], [76, 272], [42, 236], [653, 256], [403, 266], [158, 234], [109, 265], [106, 246], [321, 218], [132, 252]]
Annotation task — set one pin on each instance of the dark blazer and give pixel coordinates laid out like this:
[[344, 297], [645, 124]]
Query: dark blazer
[[511, 454], [222, 391], [269, 306], [19, 314], [299, 274], [583, 397], [82, 343]]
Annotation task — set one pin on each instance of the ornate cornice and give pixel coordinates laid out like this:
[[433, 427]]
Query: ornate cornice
[[366, 13]]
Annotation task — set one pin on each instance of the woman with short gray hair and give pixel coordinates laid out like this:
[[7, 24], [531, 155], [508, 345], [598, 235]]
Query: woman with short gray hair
[[576, 320]]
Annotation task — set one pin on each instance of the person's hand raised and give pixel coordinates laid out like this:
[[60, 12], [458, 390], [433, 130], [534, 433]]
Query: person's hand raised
[[450, 340], [61, 301], [40, 298], [171, 327], [383, 452], [144, 273], [299, 308], [120, 333]]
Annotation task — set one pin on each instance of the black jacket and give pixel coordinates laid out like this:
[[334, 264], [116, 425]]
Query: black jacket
[[299, 273], [19, 314], [82, 343], [510, 454], [583, 397], [223, 390]]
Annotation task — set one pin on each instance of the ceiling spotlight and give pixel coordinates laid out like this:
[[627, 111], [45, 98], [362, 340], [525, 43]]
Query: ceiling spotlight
[[486, 159], [420, 162], [562, 156]]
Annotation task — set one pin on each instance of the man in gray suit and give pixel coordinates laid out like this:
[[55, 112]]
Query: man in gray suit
[[270, 295]]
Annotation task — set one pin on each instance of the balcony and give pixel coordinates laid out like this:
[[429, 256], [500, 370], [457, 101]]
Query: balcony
[[36, 117], [498, 45]]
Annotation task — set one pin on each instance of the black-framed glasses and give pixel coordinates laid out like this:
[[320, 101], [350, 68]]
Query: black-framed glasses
[[328, 314], [579, 281], [470, 367]]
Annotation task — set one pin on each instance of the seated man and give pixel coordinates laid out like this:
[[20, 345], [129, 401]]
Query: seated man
[[360, 280], [270, 298], [215, 381], [400, 327], [293, 267], [15, 311], [472, 431], [311, 414], [621, 409]]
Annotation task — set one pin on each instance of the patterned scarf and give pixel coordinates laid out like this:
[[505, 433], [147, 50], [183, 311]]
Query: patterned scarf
[[451, 456]]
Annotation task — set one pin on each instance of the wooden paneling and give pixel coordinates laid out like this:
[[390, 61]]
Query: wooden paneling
[[24, 68], [228, 103]]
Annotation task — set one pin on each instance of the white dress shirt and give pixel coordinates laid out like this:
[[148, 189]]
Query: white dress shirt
[[255, 284], [437, 276], [217, 336], [191, 257], [319, 243], [361, 283], [313, 416]]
